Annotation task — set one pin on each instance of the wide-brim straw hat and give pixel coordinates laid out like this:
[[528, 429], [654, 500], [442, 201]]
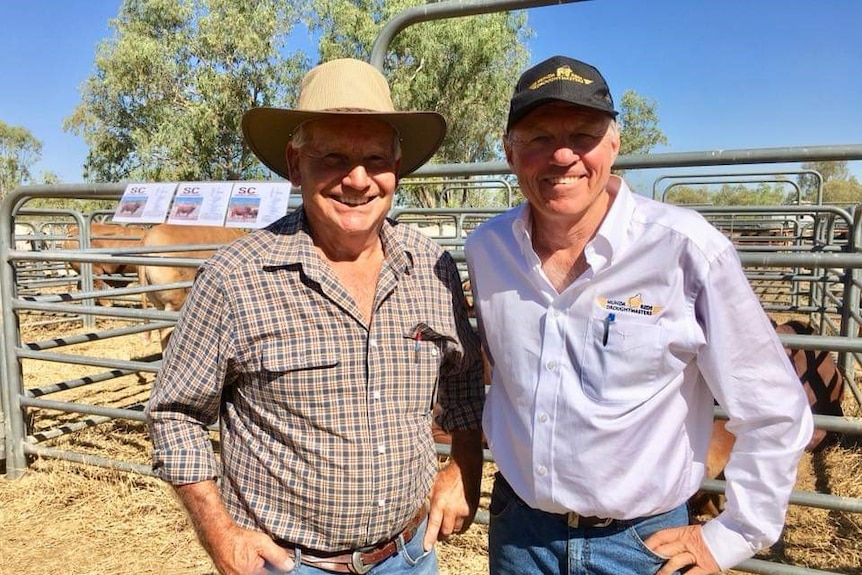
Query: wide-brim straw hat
[[344, 87]]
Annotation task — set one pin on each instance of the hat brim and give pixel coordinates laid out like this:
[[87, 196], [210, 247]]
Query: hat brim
[[268, 130]]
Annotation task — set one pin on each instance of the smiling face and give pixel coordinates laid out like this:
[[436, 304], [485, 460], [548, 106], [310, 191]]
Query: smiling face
[[346, 167], [562, 155]]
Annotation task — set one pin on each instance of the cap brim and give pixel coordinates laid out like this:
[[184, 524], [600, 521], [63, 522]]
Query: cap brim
[[268, 130]]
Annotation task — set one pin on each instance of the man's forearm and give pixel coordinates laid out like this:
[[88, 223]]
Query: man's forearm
[[467, 455], [208, 514]]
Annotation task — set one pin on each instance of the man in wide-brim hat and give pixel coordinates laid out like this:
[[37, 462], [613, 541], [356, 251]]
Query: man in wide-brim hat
[[319, 343]]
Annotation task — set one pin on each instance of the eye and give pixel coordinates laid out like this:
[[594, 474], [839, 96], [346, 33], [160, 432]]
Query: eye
[[378, 163], [333, 160]]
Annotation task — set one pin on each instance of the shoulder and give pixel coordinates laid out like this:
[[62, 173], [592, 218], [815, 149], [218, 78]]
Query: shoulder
[[681, 223], [494, 228]]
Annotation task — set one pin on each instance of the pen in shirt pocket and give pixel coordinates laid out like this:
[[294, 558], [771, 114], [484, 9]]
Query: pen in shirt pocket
[[417, 339], [609, 319]]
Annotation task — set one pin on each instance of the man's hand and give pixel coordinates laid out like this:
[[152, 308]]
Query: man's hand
[[455, 493], [235, 551], [243, 552], [684, 547]]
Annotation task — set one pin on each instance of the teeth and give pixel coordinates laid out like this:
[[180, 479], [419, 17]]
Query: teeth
[[565, 180], [353, 201]]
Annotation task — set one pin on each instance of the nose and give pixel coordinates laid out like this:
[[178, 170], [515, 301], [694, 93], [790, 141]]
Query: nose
[[357, 178], [564, 155]]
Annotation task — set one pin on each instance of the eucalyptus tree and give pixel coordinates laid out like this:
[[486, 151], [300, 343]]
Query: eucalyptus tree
[[171, 84], [19, 150], [839, 185]]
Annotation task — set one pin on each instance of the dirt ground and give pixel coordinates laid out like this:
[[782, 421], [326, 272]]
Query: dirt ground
[[63, 518]]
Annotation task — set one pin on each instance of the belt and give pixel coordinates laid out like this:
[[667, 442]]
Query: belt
[[362, 560], [571, 518], [580, 521]]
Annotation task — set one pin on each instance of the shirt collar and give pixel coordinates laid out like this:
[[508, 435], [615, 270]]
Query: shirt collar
[[293, 245], [609, 237]]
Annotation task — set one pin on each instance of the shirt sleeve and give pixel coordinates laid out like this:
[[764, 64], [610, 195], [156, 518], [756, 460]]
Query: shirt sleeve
[[186, 396], [750, 376], [461, 390]]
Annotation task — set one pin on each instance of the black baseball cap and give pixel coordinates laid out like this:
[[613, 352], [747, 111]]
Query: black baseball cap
[[560, 78]]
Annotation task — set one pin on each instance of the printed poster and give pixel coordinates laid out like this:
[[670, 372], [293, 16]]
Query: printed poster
[[200, 203], [145, 203], [257, 204]]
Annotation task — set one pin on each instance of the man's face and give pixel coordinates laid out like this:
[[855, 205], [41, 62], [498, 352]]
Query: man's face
[[562, 155], [347, 171]]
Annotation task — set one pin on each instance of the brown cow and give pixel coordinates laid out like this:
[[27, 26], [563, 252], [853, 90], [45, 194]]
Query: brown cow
[[173, 235], [824, 386], [106, 236]]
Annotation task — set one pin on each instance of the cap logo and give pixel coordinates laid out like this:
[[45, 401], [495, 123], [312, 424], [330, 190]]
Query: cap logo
[[563, 73]]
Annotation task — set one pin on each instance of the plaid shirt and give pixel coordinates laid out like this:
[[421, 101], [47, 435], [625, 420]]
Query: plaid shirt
[[325, 421]]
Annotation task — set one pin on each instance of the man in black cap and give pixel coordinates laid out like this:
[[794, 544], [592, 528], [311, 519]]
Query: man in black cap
[[613, 323]]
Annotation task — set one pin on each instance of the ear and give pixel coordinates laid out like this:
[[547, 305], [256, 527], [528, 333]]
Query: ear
[[615, 141], [508, 150], [292, 156]]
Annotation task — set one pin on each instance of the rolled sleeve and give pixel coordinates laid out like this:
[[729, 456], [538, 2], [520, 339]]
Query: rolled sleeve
[[186, 395]]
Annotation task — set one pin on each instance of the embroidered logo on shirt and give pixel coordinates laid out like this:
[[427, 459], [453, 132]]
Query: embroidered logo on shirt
[[634, 304]]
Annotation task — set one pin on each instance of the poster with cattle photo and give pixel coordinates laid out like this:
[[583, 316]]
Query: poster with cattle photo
[[200, 203], [145, 203], [257, 204]]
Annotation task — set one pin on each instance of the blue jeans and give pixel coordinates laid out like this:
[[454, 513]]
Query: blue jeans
[[526, 541], [411, 559]]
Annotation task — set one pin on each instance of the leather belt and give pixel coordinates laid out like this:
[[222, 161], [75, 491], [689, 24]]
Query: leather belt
[[362, 560]]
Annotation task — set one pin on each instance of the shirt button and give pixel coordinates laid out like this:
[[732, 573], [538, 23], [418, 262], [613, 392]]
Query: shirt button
[[551, 365], [372, 342], [375, 394], [542, 470], [381, 503], [434, 351], [381, 449], [543, 417], [556, 313]]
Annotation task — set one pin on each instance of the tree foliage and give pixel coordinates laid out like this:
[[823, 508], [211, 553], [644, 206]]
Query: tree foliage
[[170, 87], [638, 121], [762, 194], [839, 186], [687, 195], [19, 150]]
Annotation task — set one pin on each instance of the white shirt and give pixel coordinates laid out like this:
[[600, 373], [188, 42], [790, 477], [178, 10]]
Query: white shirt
[[601, 400]]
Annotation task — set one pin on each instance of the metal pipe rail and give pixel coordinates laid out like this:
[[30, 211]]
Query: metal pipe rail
[[716, 176]]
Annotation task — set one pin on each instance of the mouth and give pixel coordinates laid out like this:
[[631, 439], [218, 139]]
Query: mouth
[[563, 180], [353, 201]]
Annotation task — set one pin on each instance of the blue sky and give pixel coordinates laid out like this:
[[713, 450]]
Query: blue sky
[[725, 74]]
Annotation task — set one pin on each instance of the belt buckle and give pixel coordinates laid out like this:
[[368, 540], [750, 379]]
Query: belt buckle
[[357, 564], [574, 520]]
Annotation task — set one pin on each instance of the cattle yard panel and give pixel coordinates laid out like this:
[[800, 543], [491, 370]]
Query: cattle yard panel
[[816, 267]]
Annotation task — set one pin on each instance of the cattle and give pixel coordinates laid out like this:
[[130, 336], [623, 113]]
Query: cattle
[[24, 237], [106, 236], [243, 212], [130, 208], [824, 385], [185, 210], [164, 235]]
